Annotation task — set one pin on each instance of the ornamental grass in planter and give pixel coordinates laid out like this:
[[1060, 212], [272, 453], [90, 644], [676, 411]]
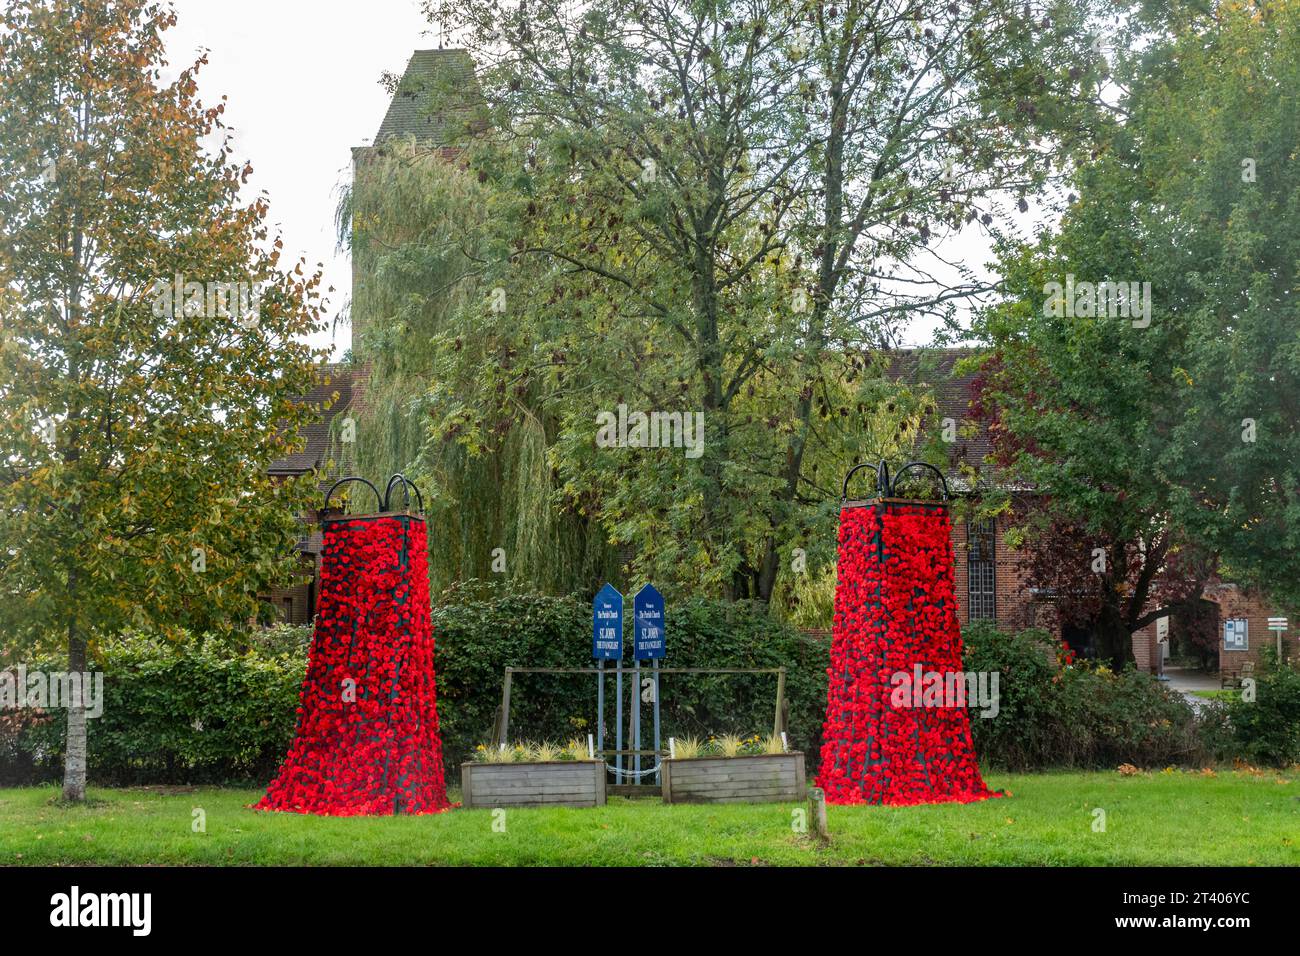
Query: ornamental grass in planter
[[731, 769], [533, 775]]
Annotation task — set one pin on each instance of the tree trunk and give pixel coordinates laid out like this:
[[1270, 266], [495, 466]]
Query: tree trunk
[[74, 761], [1114, 641], [74, 751]]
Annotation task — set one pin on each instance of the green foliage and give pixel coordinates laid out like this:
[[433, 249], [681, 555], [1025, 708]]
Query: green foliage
[[158, 695], [1025, 662], [153, 352], [1172, 446], [188, 712], [134, 436], [1075, 716], [192, 711], [477, 638], [693, 210], [1267, 729], [418, 228]]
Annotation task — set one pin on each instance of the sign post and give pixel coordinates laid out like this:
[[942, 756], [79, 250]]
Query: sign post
[[1278, 626], [607, 644], [636, 722], [648, 618], [618, 722], [655, 664]]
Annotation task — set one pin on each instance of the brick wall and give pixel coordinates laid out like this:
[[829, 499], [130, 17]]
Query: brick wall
[[292, 604], [1013, 606], [1145, 650], [960, 581], [1017, 608], [1236, 603]]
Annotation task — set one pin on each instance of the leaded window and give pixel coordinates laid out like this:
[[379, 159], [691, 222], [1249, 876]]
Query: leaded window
[[981, 574]]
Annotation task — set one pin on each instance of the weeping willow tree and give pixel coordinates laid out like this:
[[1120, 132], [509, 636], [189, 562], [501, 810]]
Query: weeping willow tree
[[888, 429], [419, 227], [718, 208], [484, 408], [704, 213]]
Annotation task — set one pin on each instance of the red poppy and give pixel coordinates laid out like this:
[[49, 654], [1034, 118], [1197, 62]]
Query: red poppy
[[894, 610], [367, 740]]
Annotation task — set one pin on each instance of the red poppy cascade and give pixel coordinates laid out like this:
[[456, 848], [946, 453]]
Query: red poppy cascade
[[367, 741], [895, 614]]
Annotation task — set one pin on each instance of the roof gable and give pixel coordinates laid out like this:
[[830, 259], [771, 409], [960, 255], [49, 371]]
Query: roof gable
[[444, 79], [331, 396], [953, 393]]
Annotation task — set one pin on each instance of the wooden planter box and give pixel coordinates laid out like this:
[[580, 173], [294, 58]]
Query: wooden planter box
[[766, 778], [570, 783]]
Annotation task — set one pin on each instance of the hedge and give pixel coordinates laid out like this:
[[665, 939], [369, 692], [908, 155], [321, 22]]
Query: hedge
[[477, 639], [198, 712], [193, 713], [1079, 716], [204, 712]]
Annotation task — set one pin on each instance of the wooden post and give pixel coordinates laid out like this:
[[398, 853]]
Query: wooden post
[[777, 723], [817, 813], [496, 728], [505, 708]]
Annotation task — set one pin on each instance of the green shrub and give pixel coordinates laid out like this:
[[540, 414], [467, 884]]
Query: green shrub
[[1267, 729], [190, 712], [212, 710], [478, 638], [1075, 716], [1021, 733], [223, 710], [1214, 728]]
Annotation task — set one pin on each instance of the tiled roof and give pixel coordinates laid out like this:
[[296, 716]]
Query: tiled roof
[[332, 396], [434, 98], [933, 368]]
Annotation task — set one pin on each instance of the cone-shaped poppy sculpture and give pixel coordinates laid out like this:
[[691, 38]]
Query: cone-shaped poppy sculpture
[[893, 732], [367, 741]]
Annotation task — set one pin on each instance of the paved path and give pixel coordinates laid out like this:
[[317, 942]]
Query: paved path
[[1185, 680]]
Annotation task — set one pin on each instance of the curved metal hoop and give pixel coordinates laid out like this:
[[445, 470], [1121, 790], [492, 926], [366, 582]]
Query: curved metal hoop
[[943, 482], [407, 486], [886, 488], [343, 481], [882, 478]]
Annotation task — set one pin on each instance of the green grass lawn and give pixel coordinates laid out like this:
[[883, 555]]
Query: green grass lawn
[[1217, 694], [1174, 818]]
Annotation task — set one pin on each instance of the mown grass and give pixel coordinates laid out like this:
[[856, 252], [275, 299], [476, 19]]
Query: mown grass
[[1172, 818], [1216, 694]]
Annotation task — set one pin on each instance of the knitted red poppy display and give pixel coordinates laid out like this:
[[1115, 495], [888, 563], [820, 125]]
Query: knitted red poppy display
[[367, 740], [894, 610]]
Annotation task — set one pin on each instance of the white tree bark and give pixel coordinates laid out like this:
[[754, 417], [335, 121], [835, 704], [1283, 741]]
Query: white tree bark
[[74, 765], [74, 750]]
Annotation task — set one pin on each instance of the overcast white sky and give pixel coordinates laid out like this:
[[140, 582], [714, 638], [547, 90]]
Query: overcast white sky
[[302, 78]]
